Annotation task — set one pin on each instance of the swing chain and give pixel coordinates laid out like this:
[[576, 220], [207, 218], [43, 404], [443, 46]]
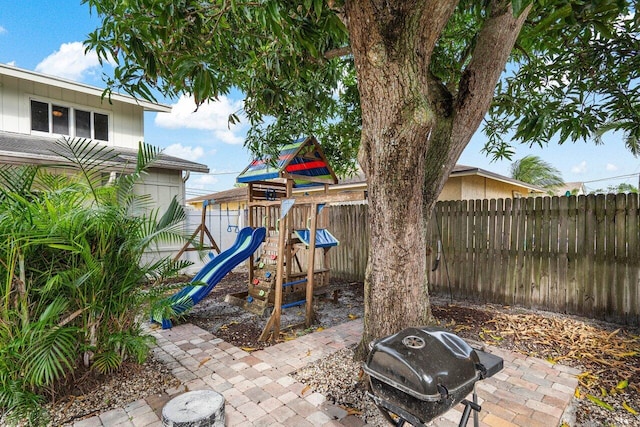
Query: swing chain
[[231, 227]]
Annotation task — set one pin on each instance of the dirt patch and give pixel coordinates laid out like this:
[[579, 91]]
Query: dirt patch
[[609, 355], [242, 328], [92, 394]]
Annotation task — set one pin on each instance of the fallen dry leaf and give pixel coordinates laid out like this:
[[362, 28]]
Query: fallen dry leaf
[[629, 409], [351, 411]]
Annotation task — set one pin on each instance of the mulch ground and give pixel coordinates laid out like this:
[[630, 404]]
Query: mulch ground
[[608, 355]]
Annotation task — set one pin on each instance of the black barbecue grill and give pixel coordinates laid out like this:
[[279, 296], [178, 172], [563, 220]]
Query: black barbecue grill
[[420, 373]]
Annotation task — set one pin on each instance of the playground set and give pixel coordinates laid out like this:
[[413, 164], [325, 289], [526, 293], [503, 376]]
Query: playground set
[[286, 243], [201, 231]]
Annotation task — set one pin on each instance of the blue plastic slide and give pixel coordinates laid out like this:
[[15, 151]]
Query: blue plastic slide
[[247, 242]]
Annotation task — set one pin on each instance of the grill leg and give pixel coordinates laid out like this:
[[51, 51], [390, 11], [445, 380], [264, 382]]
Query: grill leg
[[476, 421], [468, 407]]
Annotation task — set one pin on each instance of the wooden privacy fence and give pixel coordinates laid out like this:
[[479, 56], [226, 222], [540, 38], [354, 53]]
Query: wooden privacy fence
[[350, 225], [577, 255]]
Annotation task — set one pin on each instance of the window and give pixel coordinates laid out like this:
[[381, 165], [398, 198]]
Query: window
[[101, 126], [83, 124], [39, 116], [61, 120]]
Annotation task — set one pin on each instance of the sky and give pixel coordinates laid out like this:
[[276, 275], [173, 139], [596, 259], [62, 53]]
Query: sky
[[36, 35]]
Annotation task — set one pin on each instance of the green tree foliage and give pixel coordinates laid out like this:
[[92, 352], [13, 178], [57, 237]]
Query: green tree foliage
[[72, 271], [616, 189], [275, 52], [572, 77], [405, 84], [533, 170]]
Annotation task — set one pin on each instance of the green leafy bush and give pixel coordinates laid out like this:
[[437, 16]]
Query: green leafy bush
[[73, 270]]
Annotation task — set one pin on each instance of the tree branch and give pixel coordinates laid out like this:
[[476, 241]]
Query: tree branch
[[476, 88], [335, 53]]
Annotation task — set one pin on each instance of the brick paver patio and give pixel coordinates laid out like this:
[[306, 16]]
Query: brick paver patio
[[258, 390]]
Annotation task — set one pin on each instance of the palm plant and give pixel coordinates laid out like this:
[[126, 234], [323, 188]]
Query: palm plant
[[73, 269], [533, 170]]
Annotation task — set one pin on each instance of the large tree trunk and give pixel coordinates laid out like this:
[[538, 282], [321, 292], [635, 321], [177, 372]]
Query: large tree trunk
[[413, 131]]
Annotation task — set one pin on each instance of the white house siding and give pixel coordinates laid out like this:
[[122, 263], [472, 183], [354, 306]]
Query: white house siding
[[126, 121], [127, 127], [9, 104], [126, 130], [162, 185]]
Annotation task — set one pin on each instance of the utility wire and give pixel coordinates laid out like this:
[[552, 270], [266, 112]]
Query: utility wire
[[631, 175], [216, 173]]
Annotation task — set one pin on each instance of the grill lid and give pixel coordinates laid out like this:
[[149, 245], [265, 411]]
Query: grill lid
[[427, 363]]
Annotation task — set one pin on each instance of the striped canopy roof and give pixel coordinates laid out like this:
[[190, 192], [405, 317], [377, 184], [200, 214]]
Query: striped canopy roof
[[303, 161]]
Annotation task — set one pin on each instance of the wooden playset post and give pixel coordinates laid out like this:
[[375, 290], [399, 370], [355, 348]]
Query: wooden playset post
[[202, 229], [272, 328], [326, 261], [288, 262], [252, 223], [311, 264]]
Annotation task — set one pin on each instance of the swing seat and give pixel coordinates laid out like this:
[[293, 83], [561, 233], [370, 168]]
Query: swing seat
[[324, 239]]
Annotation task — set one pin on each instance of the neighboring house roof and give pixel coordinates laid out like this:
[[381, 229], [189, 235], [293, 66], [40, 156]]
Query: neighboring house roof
[[233, 195], [303, 161], [20, 73], [20, 149], [359, 180], [462, 170], [458, 170], [574, 188]]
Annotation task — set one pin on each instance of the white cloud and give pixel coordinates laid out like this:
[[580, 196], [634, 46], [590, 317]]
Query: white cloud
[[205, 180], [69, 62], [198, 183], [211, 116], [611, 167], [580, 168], [3, 30], [12, 63], [184, 152]]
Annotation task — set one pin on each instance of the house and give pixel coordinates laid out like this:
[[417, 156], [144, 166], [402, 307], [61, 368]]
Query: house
[[233, 199], [37, 109], [468, 182], [464, 183], [571, 188]]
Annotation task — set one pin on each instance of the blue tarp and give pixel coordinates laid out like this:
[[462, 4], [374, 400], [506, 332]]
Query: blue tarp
[[324, 239]]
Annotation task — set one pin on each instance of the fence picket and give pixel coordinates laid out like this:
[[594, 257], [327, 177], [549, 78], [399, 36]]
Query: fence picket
[[633, 257], [619, 306], [574, 222], [571, 254], [540, 279]]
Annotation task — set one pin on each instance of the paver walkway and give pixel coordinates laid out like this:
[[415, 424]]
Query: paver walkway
[[258, 390]]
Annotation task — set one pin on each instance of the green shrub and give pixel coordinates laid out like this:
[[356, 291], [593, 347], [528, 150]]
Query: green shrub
[[73, 271]]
